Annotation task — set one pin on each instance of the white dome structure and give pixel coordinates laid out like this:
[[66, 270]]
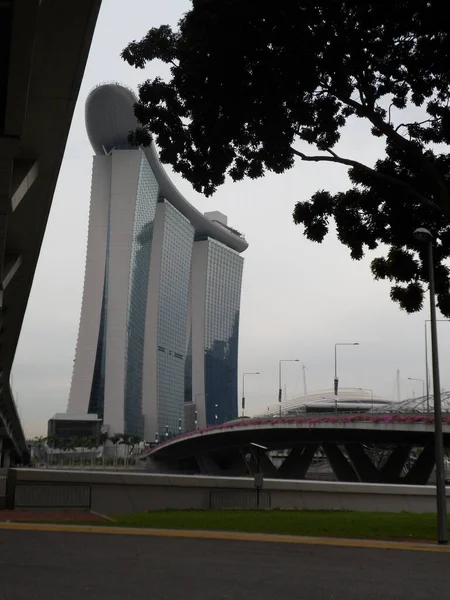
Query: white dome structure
[[417, 405], [323, 401]]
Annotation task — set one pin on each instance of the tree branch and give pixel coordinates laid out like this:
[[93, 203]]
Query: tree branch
[[334, 158], [389, 117], [419, 123], [407, 145], [366, 96]]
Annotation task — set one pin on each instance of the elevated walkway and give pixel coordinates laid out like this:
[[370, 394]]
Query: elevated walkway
[[46, 45]]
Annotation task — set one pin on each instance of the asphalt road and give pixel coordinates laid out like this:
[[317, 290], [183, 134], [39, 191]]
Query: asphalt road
[[85, 566]]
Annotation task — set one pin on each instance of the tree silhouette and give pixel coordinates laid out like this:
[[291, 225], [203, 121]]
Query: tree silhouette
[[253, 86]]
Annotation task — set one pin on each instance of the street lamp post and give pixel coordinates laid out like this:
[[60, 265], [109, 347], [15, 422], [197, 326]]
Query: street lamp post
[[280, 389], [424, 235], [258, 474], [205, 396], [336, 379], [423, 385], [243, 389], [216, 417], [427, 373]]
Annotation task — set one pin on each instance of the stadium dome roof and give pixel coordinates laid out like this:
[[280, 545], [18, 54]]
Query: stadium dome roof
[[323, 401], [416, 405]]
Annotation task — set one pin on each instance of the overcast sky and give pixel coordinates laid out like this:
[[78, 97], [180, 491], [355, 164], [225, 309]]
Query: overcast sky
[[298, 298]]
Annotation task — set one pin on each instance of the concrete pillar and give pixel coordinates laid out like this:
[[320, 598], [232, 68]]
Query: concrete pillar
[[5, 455], [420, 472], [10, 489], [339, 463], [365, 468], [6, 458], [154, 466], [298, 461], [391, 471], [207, 465], [266, 466], [248, 461], [231, 462]]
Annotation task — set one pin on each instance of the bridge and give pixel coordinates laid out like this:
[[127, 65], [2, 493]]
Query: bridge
[[44, 45], [369, 448]]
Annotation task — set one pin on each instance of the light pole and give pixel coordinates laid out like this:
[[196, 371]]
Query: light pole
[[243, 389], [423, 384], [424, 235], [371, 393], [427, 373], [336, 379], [203, 409], [258, 474], [216, 408], [280, 390]]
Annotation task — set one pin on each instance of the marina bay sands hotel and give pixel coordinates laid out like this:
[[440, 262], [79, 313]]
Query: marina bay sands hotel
[[158, 333]]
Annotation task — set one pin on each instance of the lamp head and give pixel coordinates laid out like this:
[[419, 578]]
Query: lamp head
[[423, 235], [259, 446]]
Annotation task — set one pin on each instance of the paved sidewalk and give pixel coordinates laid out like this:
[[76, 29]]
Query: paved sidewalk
[[40, 516]]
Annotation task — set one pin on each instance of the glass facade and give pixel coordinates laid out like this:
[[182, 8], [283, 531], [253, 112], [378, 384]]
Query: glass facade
[[178, 239], [223, 294], [144, 219], [188, 371], [173, 387], [152, 369], [97, 397]]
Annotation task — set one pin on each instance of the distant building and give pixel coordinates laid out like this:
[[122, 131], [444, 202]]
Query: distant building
[[214, 330], [67, 427], [160, 313]]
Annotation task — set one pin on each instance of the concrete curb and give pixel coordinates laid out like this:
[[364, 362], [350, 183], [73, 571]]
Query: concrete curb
[[228, 535]]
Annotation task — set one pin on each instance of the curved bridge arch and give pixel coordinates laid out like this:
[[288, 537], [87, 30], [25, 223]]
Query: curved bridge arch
[[366, 448]]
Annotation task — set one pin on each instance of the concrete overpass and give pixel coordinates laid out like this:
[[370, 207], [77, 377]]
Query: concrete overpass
[[44, 45], [372, 448]]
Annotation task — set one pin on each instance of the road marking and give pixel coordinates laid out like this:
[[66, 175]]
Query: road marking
[[227, 535]]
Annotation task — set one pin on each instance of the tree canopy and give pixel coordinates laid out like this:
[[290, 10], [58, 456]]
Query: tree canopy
[[253, 84]]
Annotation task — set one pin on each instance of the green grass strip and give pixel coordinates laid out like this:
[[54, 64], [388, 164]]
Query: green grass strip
[[303, 523]]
